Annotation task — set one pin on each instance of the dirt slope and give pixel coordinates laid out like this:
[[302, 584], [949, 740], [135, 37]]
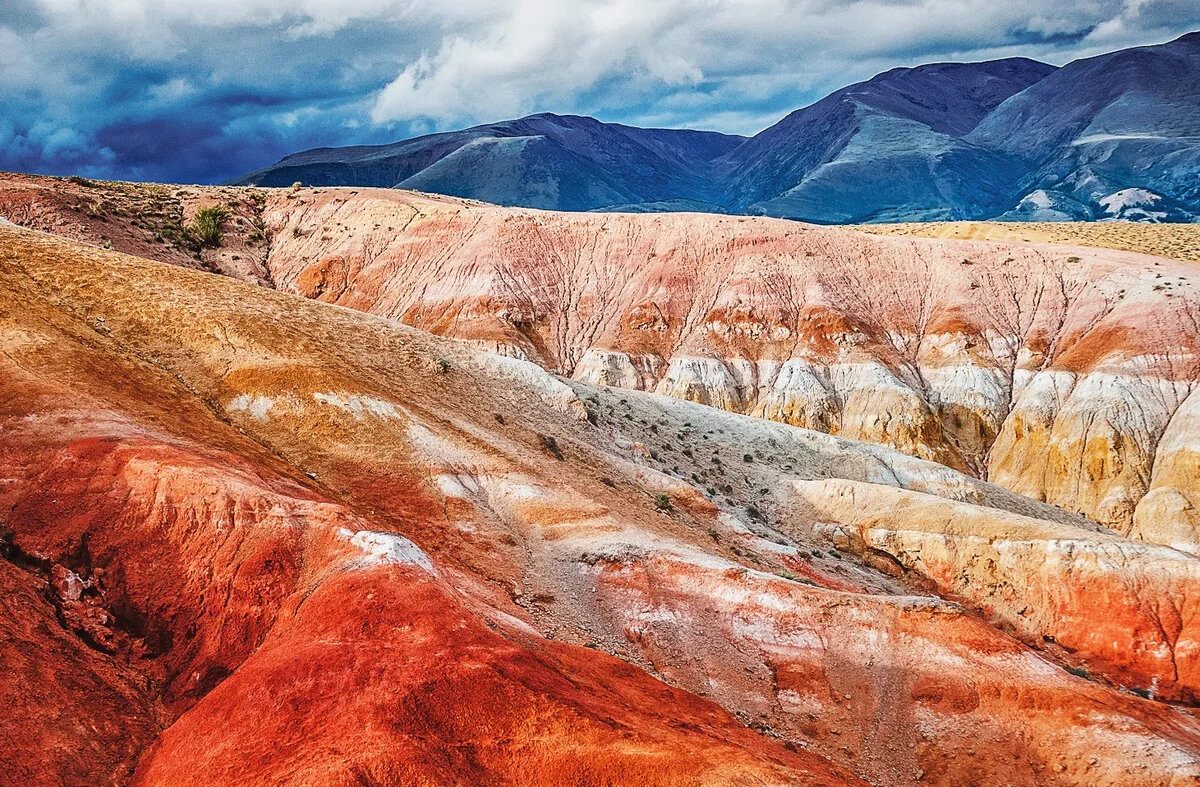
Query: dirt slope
[[291, 543], [1064, 373], [1178, 241]]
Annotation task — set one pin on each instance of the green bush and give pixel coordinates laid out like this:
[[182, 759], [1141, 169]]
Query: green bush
[[663, 503], [207, 224]]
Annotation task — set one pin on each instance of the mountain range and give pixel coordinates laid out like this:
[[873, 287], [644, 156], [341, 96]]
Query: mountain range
[[1115, 136]]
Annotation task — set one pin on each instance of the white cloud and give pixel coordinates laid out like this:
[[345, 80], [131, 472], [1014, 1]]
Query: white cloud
[[304, 72], [538, 55]]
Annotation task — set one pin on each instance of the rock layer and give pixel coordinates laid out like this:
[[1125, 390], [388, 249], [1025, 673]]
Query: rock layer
[[1054, 371], [264, 497], [236, 590]]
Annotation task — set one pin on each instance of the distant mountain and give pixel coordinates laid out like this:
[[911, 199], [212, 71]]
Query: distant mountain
[[889, 147], [1109, 137], [1118, 134], [542, 161]]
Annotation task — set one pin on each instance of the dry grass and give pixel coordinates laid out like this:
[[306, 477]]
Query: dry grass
[[1178, 241]]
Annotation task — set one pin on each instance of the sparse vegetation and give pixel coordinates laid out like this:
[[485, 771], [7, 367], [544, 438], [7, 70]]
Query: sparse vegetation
[[663, 503], [1181, 241], [207, 225], [551, 446], [1079, 672], [442, 366]]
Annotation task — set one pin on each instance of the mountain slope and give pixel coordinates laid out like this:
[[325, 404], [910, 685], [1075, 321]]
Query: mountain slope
[[1065, 373], [1053, 370], [546, 161], [1118, 134], [1109, 137], [890, 143]]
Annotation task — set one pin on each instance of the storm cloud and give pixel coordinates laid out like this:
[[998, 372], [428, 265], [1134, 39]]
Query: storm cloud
[[193, 91]]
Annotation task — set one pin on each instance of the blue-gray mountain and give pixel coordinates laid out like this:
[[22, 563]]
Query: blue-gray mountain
[[1113, 136], [541, 161]]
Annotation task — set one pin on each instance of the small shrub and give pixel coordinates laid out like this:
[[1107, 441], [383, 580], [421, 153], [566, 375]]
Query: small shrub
[[551, 446], [754, 513], [1079, 672], [747, 458], [713, 534], [207, 224], [442, 366], [81, 181], [663, 503]]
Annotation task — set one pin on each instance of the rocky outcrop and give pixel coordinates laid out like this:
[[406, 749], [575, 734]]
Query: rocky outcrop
[[1033, 577]]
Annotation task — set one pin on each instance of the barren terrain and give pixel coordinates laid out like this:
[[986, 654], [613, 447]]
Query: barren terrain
[[1178, 241], [257, 537]]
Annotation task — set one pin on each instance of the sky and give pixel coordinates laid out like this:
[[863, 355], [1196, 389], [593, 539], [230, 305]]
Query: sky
[[200, 91]]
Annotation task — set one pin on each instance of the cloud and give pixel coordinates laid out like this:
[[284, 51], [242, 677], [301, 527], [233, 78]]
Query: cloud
[[201, 90], [539, 56]]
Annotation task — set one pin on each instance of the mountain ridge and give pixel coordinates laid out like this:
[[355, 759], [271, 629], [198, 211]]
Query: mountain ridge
[[941, 141]]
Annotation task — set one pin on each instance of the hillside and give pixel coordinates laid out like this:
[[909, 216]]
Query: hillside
[[883, 148], [252, 537], [1117, 135], [1177, 241], [1063, 373]]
